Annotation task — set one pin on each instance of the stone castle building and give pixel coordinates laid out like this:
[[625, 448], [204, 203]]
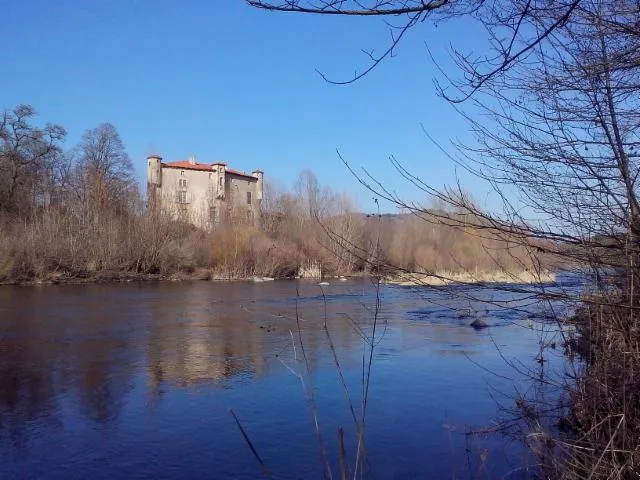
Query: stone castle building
[[204, 194]]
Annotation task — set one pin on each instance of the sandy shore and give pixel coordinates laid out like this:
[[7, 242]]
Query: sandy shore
[[447, 278]]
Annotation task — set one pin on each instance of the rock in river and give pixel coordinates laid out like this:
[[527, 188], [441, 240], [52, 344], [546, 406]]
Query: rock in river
[[478, 324]]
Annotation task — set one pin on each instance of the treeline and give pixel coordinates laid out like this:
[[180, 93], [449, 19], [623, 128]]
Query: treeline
[[78, 213]]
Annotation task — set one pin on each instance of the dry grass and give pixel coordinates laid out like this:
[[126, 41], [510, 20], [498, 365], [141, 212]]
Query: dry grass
[[605, 400], [60, 244], [595, 432], [449, 243], [313, 227]]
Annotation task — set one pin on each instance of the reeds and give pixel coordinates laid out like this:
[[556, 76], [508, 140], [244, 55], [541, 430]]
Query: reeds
[[604, 413], [59, 243]]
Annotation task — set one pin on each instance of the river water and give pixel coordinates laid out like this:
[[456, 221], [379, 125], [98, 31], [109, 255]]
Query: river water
[[138, 380]]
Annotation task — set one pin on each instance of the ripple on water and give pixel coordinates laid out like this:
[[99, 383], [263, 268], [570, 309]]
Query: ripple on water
[[137, 380]]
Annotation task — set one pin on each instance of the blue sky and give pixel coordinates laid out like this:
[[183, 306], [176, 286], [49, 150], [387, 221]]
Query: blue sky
[[222, 81]]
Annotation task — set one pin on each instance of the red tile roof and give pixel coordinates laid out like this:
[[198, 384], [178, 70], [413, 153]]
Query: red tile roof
[[186, 165], [241, 174]]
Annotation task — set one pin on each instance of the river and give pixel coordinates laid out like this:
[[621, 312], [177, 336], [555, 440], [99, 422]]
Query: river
[[137, 380]]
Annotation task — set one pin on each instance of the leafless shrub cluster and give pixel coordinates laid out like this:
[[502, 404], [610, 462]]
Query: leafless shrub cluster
[[417, 246], [605, 401]]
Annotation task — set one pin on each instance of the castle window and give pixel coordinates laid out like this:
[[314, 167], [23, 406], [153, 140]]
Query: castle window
[[248, 198], [221, 179], [182, 183], [181, 172], [181, 196]]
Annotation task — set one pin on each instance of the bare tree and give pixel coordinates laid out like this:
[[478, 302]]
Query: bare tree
[[508, 26], [28, 155], [564, 131], [104, 172], [554, 106]]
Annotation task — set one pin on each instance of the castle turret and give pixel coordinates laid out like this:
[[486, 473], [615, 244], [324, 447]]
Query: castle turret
[[154, 170], [154, 178], [259, 174], [221, 169]]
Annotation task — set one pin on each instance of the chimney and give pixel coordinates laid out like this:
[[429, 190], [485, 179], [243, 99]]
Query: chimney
[[192, 160]]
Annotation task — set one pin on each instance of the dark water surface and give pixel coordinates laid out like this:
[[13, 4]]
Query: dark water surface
[[136, 380]]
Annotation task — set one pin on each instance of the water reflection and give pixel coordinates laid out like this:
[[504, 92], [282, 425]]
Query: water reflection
[[203, 347], [157, 366], [26, 393]]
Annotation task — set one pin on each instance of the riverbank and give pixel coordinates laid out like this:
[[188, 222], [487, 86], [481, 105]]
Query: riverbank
[[80, 278], [603, 408], [208, 274], [470, 278], [198, 274]]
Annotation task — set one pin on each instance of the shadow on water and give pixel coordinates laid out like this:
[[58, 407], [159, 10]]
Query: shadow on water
[[107, 381]]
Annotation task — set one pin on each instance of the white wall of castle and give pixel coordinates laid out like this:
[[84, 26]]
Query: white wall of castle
[[204, 197], [237, 189]]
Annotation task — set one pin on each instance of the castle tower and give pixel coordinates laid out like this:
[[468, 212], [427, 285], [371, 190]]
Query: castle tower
[[154, 170], [220, 168], [259, 174], [154, 177]]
